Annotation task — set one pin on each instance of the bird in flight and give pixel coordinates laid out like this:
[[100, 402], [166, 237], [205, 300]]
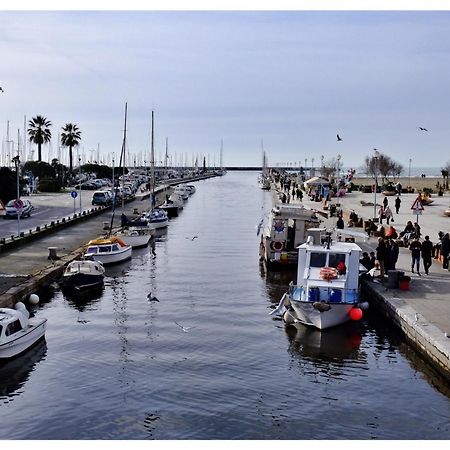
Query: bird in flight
[[185, 329], [422, 129], [195, 237], [338, 137], [1, 89], [152, 298]]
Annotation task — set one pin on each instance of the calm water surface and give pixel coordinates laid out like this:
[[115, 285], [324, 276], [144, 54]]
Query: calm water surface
[[119, 367]]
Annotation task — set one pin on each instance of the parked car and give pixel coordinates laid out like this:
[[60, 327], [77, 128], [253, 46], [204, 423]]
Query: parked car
[[11, 211], [101, 198]]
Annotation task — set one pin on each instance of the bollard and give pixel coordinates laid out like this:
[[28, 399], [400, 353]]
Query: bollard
[[52, 253], [22, 234], [52, 223], [63, 220], [38, 228]]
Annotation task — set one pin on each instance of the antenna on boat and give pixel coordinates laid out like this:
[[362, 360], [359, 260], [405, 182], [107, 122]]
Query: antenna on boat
[[120, 164]]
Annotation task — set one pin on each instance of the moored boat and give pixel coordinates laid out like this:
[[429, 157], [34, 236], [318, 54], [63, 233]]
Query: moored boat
[[83, 275], [108, 250], [136, 232], [327, 290], [286, 230], [156, 218], [18, 331], [170, 207]]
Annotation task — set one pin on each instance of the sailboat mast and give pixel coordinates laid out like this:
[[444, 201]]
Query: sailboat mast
[[123, 153], [120, 164], [152, 161]]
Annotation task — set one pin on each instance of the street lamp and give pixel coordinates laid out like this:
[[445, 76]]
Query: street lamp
[[376, 155], [338, 164], [16, 161], [79, 162]]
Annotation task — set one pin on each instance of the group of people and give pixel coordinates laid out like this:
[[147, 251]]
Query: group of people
[[385, 211], [386, 254]]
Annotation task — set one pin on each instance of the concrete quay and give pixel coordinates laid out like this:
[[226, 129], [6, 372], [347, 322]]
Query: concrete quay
[[422, 313]]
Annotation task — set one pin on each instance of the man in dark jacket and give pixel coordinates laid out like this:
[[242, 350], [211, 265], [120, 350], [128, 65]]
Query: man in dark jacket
[[381, 255], [415, 248], [427, 253], [445, 250]]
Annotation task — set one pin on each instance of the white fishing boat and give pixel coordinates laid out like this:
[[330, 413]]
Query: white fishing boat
[[285, 231], [83, 275], [108, 250], [327, 290], [18, 331]]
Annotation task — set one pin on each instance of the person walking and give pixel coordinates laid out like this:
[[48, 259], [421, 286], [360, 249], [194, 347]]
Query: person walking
[[398, 202], [445, 250], [415, 248], [427, 253], [388, 214], [380, 215], [381, 255], [394, 251], [340, 223], [385, 202]]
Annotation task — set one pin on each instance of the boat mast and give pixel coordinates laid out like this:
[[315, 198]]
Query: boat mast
[[165, 164], [152, 162], [122, 152]]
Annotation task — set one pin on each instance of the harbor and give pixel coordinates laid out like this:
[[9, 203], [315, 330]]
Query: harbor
[[174, 343]]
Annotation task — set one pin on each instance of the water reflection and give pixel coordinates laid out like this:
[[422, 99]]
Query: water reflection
[[15, 372], [338, 343], [83, 300]]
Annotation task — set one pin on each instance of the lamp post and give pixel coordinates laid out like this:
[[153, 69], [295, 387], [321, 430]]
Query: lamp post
[[79, 162], [16, 161], [376, 155], [409, 172], [338, 165]]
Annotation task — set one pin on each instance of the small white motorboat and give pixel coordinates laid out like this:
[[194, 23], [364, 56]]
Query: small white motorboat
[[83, 275], [17, 331], [190, 188], [135, 236], [327, 293], [156, 218], [109, 250], [177, 200], [182, 191]]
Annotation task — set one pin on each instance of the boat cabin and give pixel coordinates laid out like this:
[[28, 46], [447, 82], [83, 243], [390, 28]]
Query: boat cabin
[[328, 270], [11, 321]]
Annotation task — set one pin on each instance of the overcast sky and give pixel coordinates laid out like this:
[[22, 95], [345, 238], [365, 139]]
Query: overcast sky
[[291, 79]]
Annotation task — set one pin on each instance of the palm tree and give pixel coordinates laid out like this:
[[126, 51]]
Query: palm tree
[[70, 137], [39, 132]]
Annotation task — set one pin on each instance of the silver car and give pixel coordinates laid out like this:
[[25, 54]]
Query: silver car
[[11, 211]]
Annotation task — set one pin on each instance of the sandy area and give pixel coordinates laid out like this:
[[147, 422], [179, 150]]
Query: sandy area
[[416, 182]]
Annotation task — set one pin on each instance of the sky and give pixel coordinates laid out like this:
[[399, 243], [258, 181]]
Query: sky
[[285, 81]]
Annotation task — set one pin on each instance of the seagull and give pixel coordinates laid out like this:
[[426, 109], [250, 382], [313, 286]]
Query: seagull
[[185, 329], [422, 129], [338, 137], [1, 89], [152, 298], [195, 237]]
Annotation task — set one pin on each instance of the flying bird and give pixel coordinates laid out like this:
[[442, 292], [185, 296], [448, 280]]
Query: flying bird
[[422, 129], [195, 237], [152, 298], [1, 89], [185, 329], [338, 137]]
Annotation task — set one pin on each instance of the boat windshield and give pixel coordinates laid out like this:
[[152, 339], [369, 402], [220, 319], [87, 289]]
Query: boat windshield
[[104, 249], [92, 250], [318, 259], [115, 248], [335, 259]]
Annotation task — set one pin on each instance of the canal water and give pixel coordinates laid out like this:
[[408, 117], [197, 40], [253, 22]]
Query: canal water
[[206, 361]]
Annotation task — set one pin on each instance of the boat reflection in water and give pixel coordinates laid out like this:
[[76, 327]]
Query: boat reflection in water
[[16, 371], [337, 343]]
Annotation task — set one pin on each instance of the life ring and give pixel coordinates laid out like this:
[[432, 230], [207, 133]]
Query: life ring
[[277, 246], [328, 273]]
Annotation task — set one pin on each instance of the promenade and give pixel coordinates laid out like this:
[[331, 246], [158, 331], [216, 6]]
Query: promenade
[[423, 311]]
